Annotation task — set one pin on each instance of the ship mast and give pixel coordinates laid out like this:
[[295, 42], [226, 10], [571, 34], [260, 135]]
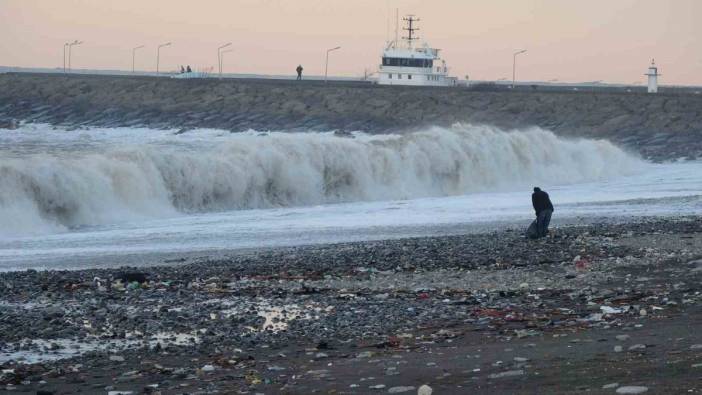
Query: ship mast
[[397, 22], [411, 29]]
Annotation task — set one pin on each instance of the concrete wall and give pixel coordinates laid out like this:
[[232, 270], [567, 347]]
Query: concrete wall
[[662, 126]]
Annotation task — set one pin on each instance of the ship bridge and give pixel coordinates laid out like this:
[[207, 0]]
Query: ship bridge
[[413, 65]]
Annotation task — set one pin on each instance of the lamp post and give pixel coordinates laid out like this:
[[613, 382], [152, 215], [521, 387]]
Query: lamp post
[[76, 42], [64, 56], [514, 65], [326, 67], [219, 57], [221, 61], [134, 55], [158, 54]]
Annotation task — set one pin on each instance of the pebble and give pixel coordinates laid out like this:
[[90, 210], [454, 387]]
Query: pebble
[[637, 347], [208, 368], [610, 386], [116, 358], [633, 389], [509, 373], [618, 348], [401, 389], [623, 337], [610, 310], [425, 390], [377, 387], [696, 347]]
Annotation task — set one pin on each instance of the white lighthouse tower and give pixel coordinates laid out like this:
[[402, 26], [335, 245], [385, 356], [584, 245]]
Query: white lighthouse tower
[[652, 77]]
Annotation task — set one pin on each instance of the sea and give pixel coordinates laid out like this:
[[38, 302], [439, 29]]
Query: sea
[[91, 197]]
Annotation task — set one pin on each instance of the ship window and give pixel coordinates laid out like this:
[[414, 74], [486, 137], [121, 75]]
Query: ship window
[[408, 62], [399, 76], [409, 76], [390, 75]]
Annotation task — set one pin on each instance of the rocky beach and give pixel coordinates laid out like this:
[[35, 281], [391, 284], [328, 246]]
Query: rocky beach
[[599, 308]]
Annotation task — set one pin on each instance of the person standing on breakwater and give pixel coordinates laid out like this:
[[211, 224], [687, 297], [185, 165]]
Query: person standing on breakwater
[[299, 72], [543, 207]]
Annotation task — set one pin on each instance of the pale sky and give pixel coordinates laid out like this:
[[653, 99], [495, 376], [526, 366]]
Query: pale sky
[[567, 40]]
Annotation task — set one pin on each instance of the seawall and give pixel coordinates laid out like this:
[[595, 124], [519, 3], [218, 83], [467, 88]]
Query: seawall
[[660, 127]]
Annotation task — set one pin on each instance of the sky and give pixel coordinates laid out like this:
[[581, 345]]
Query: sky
[[566, 40]]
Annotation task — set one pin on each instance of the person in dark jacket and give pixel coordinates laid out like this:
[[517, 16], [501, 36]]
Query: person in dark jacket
[[543, 208], [299, 72]]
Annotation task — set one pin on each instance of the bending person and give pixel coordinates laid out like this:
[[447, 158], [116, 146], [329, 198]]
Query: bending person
[[543, 208]]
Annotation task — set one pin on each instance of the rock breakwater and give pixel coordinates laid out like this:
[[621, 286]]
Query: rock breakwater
[[660, 127]]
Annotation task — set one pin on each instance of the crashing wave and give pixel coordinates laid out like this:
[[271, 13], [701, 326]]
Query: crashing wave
[[56, 190]]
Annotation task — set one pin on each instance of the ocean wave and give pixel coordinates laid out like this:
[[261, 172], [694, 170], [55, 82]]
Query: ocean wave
[[56, 190]]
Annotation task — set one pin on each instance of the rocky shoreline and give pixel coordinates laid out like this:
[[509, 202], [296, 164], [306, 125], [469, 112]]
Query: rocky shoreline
[[659, 127], [602, 308]]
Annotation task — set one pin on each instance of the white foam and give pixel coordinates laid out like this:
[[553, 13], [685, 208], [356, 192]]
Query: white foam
[[42, 350], [56, 180]]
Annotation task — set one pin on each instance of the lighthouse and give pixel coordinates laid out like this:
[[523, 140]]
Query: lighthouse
[[652, 77]]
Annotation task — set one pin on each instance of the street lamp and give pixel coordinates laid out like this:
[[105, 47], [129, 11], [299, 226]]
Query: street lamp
[[326, 67], [221, 61], [158, 54], [76, 42], [219, 57], [514, 65], [134, 55], [64, 56]]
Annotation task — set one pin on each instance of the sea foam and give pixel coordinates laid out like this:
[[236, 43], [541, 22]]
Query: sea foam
[[72, 183]]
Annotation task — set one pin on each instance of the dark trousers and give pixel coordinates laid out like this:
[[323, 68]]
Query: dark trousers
[[542, 221], [299, 77]]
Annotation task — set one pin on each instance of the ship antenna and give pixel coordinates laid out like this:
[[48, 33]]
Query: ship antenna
[[397, 22], [411, 29], [387, 22]]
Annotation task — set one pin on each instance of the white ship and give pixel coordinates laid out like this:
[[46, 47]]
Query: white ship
[[407, 63]]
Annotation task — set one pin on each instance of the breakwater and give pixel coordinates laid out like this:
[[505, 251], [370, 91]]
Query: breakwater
[[660, 127]]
